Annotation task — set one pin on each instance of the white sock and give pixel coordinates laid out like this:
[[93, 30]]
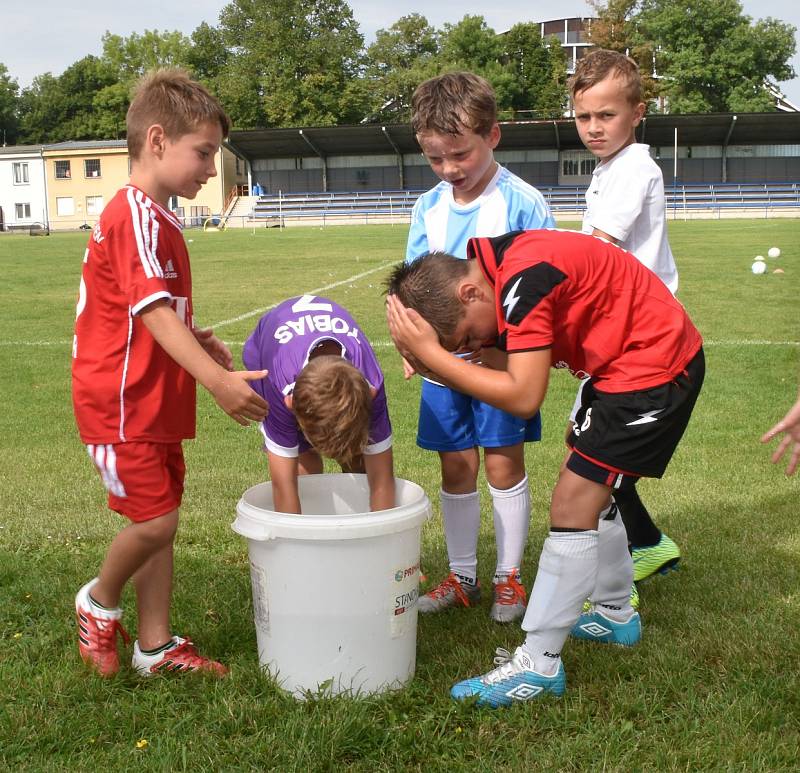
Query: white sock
[[512, 517], [566, 576], [614, 568], [462, 521]]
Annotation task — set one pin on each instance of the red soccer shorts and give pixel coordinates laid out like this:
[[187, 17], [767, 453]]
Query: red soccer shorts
[[143, 480]]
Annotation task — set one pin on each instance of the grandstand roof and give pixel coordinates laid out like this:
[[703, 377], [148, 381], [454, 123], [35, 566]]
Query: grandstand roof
[[369, 139]]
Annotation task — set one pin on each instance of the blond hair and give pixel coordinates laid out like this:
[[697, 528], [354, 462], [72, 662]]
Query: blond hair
[[599, 64], [453, 102], [170, 98], [429, 285], [332, 403]]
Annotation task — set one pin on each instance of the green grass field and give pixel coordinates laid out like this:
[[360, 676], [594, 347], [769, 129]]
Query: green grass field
[[714, 684]]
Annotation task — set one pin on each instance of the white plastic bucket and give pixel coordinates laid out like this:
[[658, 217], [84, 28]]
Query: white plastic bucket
[[335, 589]]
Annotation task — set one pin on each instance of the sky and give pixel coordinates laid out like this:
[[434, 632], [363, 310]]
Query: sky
[[28, 46]]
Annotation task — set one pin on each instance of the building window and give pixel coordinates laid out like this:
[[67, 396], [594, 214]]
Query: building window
[[554, 28], [62, 170], [65, 206], [94, 205], [91, 167], [21, 173], [577, 163], [238, 165], [198, 216], [23, 211]]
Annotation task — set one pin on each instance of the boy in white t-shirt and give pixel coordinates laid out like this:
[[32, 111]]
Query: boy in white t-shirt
[[625, 205]]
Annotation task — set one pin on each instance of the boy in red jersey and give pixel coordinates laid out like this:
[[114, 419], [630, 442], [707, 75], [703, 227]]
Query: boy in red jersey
[[136, 357], [547, 298]]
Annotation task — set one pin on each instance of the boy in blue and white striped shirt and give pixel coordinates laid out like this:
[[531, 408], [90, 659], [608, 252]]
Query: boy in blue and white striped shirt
[[454, 117]]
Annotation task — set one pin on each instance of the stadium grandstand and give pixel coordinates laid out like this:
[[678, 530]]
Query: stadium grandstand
[[716, 165]]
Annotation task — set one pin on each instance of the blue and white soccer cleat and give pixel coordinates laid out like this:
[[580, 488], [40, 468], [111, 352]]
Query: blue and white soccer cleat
[[596, 626], [513, 680]]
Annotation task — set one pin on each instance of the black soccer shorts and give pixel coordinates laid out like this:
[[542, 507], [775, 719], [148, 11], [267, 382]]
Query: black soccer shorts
[[618, 438]]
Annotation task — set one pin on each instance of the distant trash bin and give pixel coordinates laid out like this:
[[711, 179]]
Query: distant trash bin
[[335, 590]]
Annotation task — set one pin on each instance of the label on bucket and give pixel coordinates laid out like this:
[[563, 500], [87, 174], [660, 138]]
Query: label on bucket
[[258, 578], [405, 593]]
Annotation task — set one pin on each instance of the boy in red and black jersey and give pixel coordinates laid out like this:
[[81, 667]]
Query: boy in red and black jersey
[[538, 299]]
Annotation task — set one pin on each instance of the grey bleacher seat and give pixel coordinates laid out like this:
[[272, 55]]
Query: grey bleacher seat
[[566, 198]]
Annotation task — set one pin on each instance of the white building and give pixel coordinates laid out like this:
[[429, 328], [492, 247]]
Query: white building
[[23, 189]]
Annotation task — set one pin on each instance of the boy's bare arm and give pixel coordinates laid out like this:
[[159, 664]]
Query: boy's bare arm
[[283, 474], [603, 235], [229, 389], [520, 389], [380, 475]]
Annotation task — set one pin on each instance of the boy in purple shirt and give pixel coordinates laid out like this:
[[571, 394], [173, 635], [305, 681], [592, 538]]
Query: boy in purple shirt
[[326, 398]]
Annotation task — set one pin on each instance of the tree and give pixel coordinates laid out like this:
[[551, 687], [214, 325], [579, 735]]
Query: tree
[[616, 29], [207, 54], [613, 28], [538, 72], [708, 55], [401, 57], [471, 45], [298, 61], [130, 58], [9, 105], [55, 109]]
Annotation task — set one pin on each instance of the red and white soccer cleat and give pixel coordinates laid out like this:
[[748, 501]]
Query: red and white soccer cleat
[[97, 632], [181, 657]]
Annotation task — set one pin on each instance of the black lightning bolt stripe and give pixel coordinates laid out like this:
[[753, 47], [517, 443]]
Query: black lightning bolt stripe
[[537, 282], [502, 243]]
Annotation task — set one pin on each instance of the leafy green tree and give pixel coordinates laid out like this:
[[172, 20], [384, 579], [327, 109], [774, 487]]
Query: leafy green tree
[[111, 106], [401, 57], [471, 44], [538, 72], [130, 58], [207, 54], [9, 105], [55, 109], [616, 28], [708, 55], [41, 108], [295, 59]]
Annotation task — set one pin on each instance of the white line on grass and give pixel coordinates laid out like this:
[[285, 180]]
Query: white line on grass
[[224, 322], [316, 290]]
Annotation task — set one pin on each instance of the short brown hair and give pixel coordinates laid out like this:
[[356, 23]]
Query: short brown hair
[[599, 64], [428, 285], [169, 97], [332, 402], [452, 102]]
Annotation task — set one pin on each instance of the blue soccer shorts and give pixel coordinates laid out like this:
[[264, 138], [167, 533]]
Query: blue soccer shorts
[[451, 421]]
